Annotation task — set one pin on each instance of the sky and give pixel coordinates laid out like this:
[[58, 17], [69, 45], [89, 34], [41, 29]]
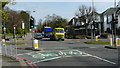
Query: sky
[[64, 9]]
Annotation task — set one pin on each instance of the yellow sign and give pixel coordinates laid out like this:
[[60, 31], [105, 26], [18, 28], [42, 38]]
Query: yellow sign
[[35, 44]]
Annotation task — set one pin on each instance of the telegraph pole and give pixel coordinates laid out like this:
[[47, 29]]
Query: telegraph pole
[[92, 26]]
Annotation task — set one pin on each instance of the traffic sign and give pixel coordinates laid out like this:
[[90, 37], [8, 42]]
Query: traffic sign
[[14, 28], [23, 26]]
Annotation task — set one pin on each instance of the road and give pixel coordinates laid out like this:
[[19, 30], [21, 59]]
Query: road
[[97, 54], [100, 55]]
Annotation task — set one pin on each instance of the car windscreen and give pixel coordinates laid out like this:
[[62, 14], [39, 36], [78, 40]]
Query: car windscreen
[[38, 34], [59, 30]]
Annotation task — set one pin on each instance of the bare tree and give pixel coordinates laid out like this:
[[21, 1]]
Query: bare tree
[[85, 15]]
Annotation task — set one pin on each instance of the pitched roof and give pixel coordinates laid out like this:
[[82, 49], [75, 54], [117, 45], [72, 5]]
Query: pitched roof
[[110, 11]]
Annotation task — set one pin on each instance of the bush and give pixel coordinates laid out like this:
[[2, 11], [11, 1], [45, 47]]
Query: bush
[[19, 31], [26, 31], [88, 37], [104, 35], [118, 31], [97, 42], [81, 37], [7, 31]]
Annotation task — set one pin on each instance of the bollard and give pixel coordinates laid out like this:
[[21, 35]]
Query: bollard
[[111, 41], [35, 44], [96, 38], [118, 41]]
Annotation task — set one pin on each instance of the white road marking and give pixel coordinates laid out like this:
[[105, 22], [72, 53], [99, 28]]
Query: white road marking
[[99, 58], [85, 54], [47, 59], [103, 59]]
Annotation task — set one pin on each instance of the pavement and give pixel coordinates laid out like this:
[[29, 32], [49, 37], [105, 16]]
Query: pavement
[[9, 60]]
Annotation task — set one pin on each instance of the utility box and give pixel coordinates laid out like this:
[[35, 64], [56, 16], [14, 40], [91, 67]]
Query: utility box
[[35, 44]]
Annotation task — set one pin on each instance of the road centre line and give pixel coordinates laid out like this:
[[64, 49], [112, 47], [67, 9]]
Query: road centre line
[[99, 58]]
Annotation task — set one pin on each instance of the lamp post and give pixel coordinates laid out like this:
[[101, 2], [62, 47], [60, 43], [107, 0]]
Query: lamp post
[[92, 24], [4, 30]]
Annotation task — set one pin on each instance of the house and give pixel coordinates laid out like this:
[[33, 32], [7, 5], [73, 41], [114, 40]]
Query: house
[[107, 18], [82, 23], [119, 4]]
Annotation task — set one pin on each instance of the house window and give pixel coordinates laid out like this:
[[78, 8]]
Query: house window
[[105, 19], [109, 19]]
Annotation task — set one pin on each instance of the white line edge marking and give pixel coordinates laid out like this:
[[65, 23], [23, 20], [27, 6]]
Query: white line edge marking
[[99, 58]]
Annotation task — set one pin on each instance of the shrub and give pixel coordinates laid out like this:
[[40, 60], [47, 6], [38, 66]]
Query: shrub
[[18, 31], [7, 31], [104, 35], [88, 37]]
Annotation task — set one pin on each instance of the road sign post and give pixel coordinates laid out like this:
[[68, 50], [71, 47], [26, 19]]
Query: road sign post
[[23, 30], [14, 28], [15, 41]]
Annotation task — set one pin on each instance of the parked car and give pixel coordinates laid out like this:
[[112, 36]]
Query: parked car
[[38, 36]]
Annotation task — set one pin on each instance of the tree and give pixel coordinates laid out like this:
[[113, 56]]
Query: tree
[[14, 18], [3, 3], [40, 25], [84, 13], [2, 12], [55, 21], [25, 18]]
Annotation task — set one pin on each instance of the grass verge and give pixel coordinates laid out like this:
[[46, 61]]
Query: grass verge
[[97, 42], [13, 43]]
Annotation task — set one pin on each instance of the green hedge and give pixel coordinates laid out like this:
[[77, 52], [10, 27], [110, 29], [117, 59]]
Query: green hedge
[[104, 35], [97, 42]]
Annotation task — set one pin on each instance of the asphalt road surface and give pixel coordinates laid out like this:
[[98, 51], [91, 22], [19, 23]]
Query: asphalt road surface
[[98, 55]]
